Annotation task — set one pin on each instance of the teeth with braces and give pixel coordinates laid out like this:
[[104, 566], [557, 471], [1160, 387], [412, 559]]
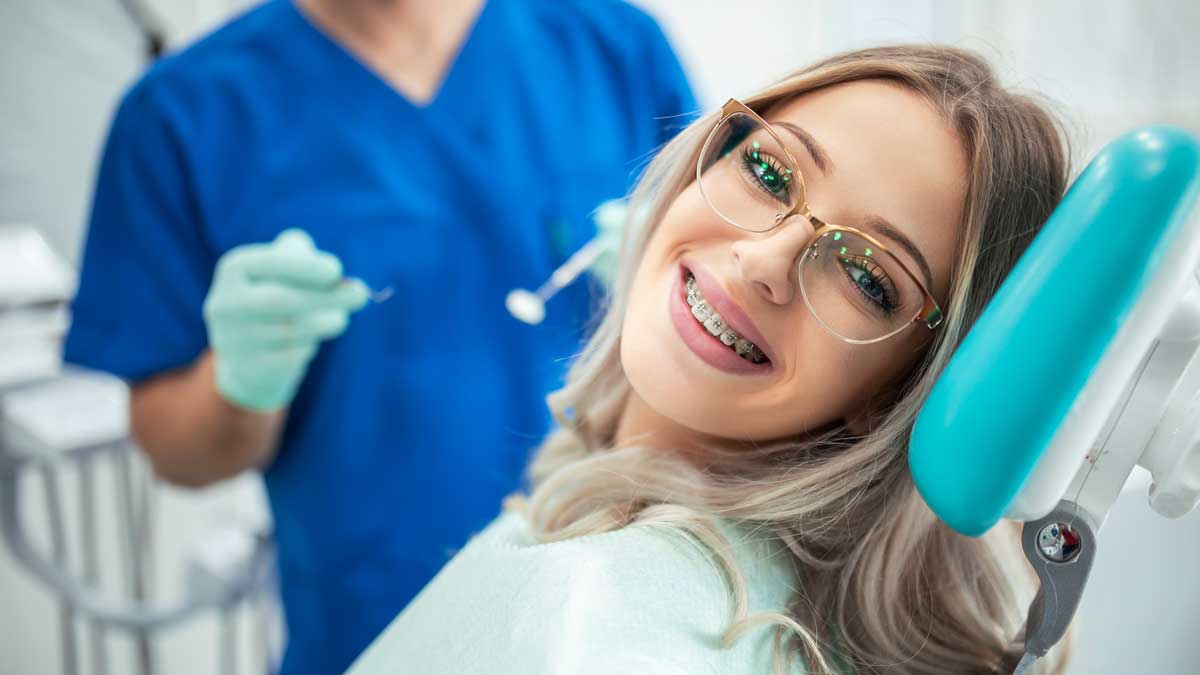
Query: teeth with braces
[[713, 323]]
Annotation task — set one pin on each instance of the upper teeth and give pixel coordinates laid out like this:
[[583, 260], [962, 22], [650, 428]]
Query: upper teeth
[[713, 323]]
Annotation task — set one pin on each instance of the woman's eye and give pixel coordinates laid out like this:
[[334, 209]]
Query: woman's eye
[[871, 286], [767, 173]]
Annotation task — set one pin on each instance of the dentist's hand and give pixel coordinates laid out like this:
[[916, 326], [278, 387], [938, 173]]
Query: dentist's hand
[[269, 308], [610, 220]]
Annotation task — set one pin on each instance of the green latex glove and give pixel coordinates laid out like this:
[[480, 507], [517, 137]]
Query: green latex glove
[[610, 219], [269, 308]]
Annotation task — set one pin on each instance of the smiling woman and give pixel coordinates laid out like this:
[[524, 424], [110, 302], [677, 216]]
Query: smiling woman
[[804, 265], [818, 294]]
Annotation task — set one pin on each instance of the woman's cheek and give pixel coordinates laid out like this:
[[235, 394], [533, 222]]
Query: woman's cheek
[[690, 219]]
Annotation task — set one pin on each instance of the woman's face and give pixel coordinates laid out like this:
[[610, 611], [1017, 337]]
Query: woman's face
[[885, 154]]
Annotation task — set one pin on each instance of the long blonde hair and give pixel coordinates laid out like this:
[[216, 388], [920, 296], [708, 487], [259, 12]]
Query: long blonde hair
[[883, 584]]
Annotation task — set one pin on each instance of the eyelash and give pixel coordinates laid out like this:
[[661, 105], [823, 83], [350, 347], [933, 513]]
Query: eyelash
[[749, 161], [888, 303]]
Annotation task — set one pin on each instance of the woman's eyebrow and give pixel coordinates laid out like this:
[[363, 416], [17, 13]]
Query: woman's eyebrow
[[885, 228], [878, 223], [819, 156]]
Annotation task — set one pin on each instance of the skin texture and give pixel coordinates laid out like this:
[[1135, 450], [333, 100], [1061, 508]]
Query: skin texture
[[409, 44], [891, 155]]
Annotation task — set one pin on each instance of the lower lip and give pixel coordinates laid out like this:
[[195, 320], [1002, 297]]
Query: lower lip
[[704, 344]]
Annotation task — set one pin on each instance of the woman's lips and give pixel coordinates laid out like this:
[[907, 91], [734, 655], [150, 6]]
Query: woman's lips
[[730, 312], [704, 344]]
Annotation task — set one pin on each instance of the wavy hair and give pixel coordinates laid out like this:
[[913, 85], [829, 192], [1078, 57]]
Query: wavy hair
[[883, 585]]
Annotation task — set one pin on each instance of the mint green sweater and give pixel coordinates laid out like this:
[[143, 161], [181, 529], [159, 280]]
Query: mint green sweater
[[643, 599]]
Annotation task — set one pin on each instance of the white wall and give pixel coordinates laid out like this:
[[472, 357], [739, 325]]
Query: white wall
[[1111, 65], [63, 65]]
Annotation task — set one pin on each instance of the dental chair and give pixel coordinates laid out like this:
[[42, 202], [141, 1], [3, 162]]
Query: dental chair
[[66, 455], [1084, 366]]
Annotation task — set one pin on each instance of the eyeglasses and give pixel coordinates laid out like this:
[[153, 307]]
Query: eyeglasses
[[854, 286]]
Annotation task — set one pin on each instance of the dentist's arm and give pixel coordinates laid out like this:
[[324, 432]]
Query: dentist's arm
[[269, 308], [194, 436]]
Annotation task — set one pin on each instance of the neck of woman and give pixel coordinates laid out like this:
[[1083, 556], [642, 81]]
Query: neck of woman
[[639, 424]]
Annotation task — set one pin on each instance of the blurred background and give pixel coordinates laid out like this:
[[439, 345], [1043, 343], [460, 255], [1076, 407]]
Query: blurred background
[[1105, 66]]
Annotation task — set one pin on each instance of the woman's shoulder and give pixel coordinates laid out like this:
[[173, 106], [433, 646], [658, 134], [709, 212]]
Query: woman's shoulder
[[640, 599], [647, 560]]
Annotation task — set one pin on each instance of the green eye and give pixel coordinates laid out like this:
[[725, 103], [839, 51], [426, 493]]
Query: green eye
[[875, 287], [766, 173]]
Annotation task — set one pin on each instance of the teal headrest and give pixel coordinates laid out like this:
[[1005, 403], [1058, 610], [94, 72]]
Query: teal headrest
[[996, 407]]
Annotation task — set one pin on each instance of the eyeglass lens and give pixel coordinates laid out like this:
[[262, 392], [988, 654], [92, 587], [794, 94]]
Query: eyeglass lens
[[856, 290]]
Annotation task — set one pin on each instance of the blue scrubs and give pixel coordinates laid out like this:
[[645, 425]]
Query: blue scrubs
[[412, 426]]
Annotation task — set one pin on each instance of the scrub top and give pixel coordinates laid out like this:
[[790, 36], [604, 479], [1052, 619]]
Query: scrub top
[[412, 426]]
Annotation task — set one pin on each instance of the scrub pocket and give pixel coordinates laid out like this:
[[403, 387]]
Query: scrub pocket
[[581, 191]]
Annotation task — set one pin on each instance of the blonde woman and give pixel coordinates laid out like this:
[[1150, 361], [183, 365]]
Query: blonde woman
[[728, 491]]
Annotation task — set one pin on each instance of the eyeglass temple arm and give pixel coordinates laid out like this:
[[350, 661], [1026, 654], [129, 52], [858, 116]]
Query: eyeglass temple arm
[[931, 315]]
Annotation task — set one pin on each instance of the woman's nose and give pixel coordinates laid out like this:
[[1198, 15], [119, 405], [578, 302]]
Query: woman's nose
[[767, 261]]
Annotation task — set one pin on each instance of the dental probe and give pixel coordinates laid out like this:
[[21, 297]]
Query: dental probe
[[378, 296], [375, 296]]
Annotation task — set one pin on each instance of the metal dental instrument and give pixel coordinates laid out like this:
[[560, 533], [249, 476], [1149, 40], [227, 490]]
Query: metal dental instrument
[[378, 296], [375, 296], [530, 307]]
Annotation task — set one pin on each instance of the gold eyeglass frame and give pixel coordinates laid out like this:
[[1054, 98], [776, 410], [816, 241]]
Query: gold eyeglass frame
[[930, 314]]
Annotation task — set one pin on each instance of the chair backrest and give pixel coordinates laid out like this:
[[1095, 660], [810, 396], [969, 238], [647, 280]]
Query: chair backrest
[[1023, 392]]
